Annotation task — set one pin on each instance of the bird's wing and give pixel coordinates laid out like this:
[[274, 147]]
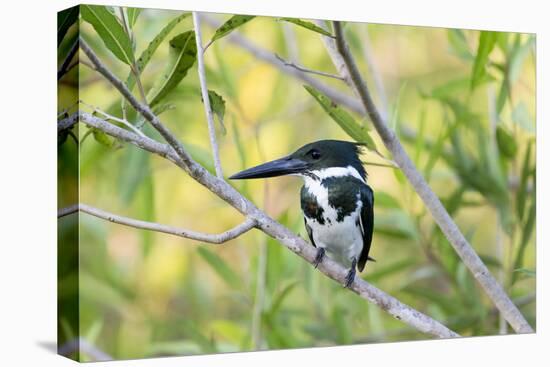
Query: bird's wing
[[309, 233], [366, 222]]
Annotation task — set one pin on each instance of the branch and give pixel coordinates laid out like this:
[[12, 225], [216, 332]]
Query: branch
[[306, 70], [63, 212], [220, 238], [276, 230], [205, 97], [81, 345], [440, 215], [67, 122], [114, 118], [65, 66]]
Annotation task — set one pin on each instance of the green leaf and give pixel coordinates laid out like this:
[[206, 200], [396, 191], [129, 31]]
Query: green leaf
[[220, 267], [517, 58], [395, 223], [280, 297], [522, 190], [183, 52], [104, 139], [110, 31], [234, 22], [133, 14], [521, 116], [450, 89], [528, 272], [385, 200], [503, 93], [146, 55], [344, 119], [217, 104], [487, 42], [65, 19], [525, 236], [506, 143], [307, 25], [391, 269], [136, 165], [459, 44]]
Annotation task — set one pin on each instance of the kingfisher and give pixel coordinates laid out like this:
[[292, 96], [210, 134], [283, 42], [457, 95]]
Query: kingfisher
[[336, 201]]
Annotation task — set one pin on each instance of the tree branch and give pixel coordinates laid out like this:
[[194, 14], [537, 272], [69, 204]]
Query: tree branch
[[65, 66], [432, 202], [63, 212], [220, 238], [306, 70], [274, 229], [205, 97]]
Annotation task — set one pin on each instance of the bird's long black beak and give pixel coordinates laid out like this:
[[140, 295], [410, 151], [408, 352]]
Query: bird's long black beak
[[278, 167]]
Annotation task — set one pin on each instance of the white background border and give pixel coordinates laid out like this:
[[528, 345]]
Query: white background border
[[28, 181]]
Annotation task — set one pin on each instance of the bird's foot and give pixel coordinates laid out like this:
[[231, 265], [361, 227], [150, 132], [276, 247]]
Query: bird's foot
[[319, 257], [350, 278], [351, 274]]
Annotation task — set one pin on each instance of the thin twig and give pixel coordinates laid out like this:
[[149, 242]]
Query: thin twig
[[65, 67], [220, 238], [114, 118], [306, 70], [133, 66], [274, 229], [205, 97], [468, 255]]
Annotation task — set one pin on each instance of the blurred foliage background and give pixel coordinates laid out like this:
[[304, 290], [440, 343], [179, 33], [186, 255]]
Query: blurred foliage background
[[463, 101]]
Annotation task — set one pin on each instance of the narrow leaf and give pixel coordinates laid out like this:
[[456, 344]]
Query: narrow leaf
[[146, 55], [506, 143], [517, 58], [344, 119], [234, 22], [527, 272], [183, 52], [385, 200], [133, 14], [110, 31], [65, 19], [217, 103], [521, 116], [522, 190], [390, 269], [308, 25], [459, 44], [104, 139], [487, 42], [525, 237], [220, 267], [280, 297]]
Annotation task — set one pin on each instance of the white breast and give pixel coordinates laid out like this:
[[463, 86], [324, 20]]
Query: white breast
[[342, 240]]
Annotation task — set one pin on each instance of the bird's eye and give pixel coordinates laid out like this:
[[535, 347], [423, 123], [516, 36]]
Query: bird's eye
[[315, 154]]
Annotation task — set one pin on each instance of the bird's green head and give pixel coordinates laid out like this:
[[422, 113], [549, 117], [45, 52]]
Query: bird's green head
[[320, 158]]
